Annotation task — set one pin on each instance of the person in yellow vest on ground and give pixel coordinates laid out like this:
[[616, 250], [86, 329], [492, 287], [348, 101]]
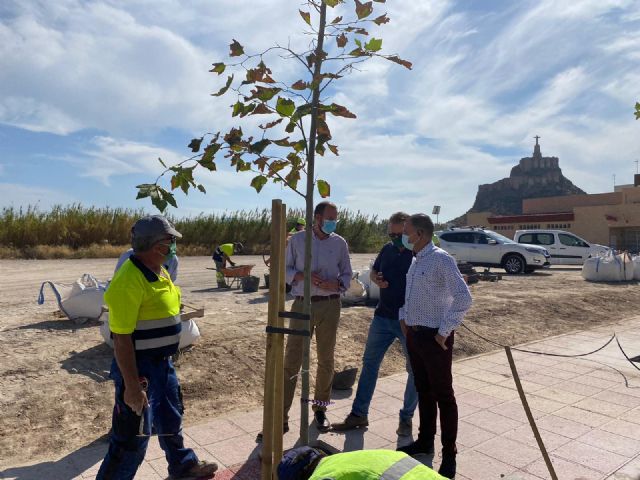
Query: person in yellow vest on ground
[[221, 256], [308, 463]]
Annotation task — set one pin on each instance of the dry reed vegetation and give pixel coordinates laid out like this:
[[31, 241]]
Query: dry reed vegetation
[[76, 231]]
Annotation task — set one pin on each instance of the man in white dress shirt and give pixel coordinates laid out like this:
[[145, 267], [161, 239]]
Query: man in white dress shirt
[[436, 301]]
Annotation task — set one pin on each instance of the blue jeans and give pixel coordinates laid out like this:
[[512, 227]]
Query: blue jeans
[[126, 449], [382, 333]]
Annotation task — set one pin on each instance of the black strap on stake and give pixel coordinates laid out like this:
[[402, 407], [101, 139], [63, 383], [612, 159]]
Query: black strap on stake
[[295, 316], [287, 331]]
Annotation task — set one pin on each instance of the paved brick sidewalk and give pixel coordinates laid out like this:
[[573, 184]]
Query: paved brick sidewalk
[[587, 410]]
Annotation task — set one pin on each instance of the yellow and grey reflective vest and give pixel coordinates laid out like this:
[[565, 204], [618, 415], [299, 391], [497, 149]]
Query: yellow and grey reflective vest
[[372, 465], [145, 306]]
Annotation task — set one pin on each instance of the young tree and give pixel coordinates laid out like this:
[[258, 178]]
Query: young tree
[[299, 108]]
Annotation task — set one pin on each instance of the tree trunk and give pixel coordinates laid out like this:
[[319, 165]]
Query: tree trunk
[[304, 373]]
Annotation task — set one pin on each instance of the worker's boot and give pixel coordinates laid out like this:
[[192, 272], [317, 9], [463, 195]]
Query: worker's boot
[[200, 471]]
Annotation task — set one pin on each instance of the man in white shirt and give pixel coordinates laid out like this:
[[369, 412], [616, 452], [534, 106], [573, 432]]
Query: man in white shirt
[[436, 301]]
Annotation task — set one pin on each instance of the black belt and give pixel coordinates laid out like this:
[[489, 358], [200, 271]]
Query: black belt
[[320, 298], [420, 328]]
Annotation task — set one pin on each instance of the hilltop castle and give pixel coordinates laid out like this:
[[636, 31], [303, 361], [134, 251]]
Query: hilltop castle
[[533, 177]]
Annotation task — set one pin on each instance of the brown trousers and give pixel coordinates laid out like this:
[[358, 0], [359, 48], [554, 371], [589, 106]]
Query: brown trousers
[[325, 316]]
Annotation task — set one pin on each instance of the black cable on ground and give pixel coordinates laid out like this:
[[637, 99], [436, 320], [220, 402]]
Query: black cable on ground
[[544, 353], [626, 356]]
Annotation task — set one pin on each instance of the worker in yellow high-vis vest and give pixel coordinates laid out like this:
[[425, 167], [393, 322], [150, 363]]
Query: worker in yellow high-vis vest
[[308, 463], [144, 319]]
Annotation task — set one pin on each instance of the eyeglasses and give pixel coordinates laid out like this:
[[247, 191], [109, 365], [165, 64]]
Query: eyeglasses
[[395, 235]]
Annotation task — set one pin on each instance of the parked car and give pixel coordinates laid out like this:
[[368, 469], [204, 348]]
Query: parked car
[[486, 248], [565, 248]]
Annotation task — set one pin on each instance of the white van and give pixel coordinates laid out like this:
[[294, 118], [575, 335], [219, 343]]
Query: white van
[[565, 248]]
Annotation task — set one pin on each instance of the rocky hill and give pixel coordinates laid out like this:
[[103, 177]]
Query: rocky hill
[[533, 177]]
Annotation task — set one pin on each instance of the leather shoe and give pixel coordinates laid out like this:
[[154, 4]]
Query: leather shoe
[[448, 466], [417, 447], [352, 421], [322, 422]]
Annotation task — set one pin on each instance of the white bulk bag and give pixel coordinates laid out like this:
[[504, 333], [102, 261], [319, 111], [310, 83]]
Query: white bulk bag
[[356, 291], [373, 290], [609, 268], [189, 334], [636, 267], [80, 300]]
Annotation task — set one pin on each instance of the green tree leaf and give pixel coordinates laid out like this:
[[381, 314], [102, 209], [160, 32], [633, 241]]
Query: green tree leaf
[[194, 145], [336, 20], [258, 147], [263, 93], [237, 49], [341, 40], [283, 142], [363, 10], [373, 45], [324, 189], [332, 3], [320, 149], [306, 16], [224, 89], [299, 146], [293, 177], [637, 110], [207, 158], [202, 189], [218, 68], [259, 182], [144, 190], [169, 198], [333, 148], [285, 107]]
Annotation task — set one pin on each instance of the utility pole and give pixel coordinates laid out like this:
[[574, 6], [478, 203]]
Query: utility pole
[[636, 162], [614, 182]]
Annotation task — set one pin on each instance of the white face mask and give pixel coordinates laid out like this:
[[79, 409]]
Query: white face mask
[[405, 241]]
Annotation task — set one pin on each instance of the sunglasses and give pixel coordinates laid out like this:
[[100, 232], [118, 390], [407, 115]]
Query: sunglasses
[[395, 235]]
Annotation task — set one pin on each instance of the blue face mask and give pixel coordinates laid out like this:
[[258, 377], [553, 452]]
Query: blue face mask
[[405, 241], [329, 226]]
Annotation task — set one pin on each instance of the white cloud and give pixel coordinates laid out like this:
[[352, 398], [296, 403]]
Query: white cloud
[[483, 82], [107, 157]]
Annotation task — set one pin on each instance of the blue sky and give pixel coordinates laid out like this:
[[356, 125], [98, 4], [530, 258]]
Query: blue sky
[[92, 92]]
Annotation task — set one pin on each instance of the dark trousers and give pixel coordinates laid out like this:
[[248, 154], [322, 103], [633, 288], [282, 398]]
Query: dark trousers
[[126, 449], [432, 374]]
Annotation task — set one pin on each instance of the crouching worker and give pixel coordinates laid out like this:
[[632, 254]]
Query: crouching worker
[[144, 318], [221, 256], [308, 463]]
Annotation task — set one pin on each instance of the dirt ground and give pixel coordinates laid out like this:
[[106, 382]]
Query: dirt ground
[[53, 375]]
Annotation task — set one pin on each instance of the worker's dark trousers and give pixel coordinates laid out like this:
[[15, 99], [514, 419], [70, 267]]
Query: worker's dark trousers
[[434, 382], [126, 448]]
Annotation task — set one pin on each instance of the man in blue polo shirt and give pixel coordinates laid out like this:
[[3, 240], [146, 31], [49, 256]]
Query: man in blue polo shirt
[[389, 272]]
